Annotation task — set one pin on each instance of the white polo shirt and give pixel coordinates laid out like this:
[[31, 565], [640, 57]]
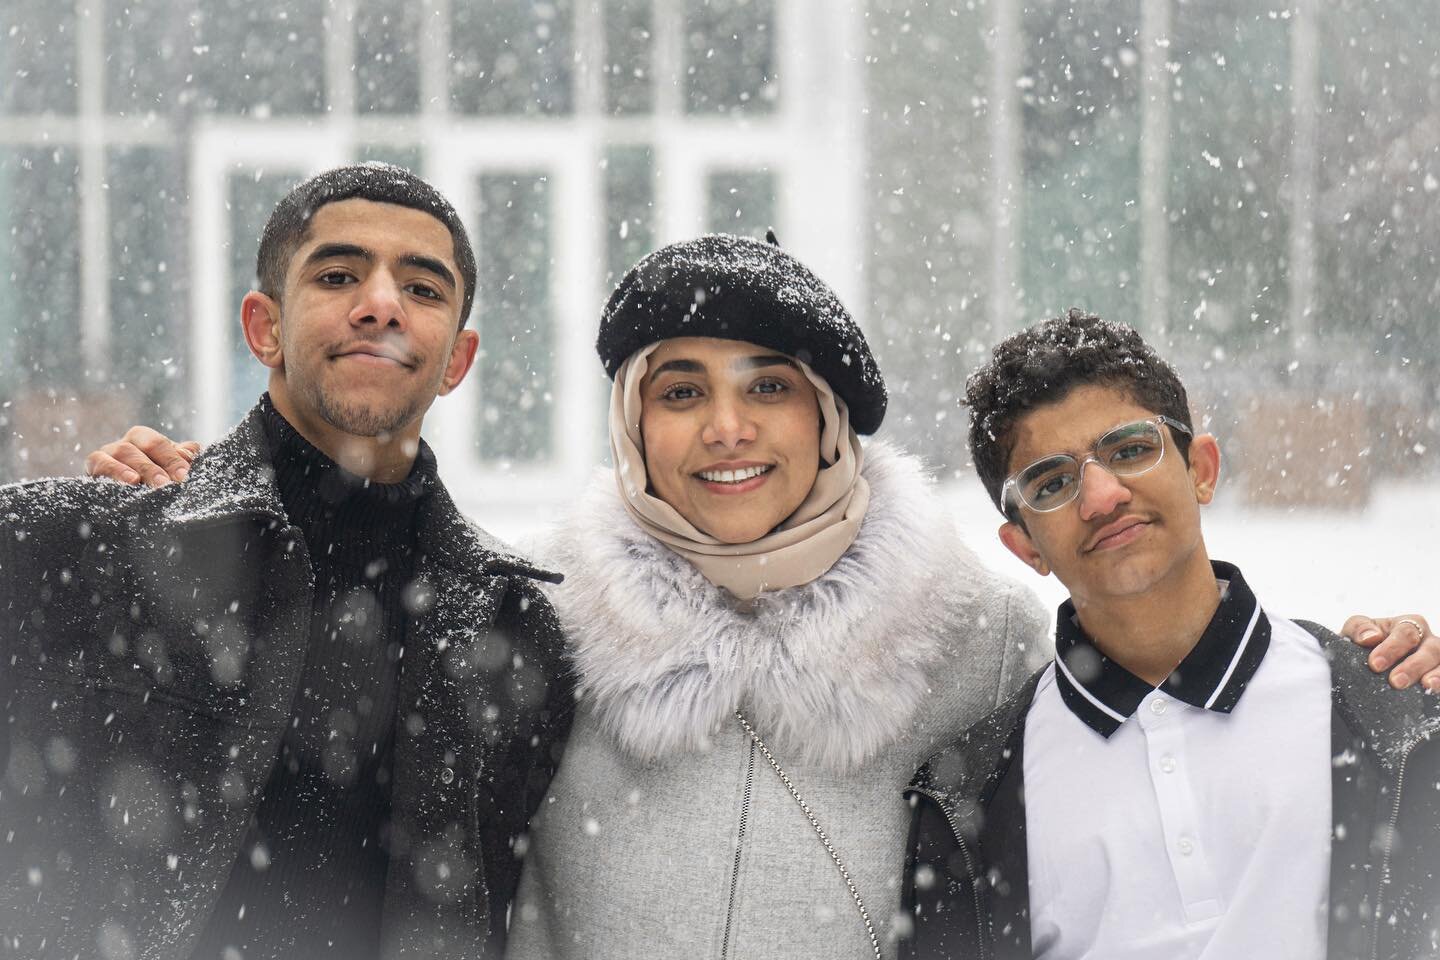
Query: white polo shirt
[[1190, 820]]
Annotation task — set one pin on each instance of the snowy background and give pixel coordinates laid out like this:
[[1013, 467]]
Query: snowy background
[[1255, 186]]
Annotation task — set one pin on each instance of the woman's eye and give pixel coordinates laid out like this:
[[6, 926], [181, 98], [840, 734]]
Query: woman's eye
[[679, 391], [771, 387]]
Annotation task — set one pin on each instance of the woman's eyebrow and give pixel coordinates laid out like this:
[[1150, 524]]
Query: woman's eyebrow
[[766, 360], [678, 366]]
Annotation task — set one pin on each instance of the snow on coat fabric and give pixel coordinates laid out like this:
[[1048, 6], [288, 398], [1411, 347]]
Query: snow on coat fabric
[[152, 642], [665, 833]]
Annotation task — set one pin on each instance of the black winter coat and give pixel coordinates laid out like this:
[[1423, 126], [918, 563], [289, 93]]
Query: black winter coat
[[968, 827], [151, 644]]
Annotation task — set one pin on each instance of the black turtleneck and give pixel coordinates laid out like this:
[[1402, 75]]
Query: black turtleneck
[[310, 877]]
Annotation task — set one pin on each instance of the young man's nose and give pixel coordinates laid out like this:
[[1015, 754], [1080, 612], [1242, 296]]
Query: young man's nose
[[1100, 491], [379, 302], [728, 424]]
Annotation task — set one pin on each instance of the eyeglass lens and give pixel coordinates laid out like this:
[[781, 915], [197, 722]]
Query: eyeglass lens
[[1125, 451]]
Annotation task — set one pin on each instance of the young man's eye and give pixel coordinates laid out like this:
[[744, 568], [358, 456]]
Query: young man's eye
[[1053, 486], [1130, 451], [335, 278], [425, 290]]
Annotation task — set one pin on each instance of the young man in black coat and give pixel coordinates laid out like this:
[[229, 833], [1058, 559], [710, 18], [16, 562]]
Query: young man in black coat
[[297, 706], [1193, 776]]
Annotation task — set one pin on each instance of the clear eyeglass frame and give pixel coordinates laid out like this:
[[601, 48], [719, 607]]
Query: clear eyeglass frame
[[1013, 492]]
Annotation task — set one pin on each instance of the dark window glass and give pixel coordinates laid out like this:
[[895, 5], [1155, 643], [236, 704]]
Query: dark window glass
[[153, 49], [742, 202], [398, 154], [1230, 133], [252, 195], [149, 292], [387, 67], [629, 86], [37, 57], [1080, 107], [40, 347], [262, 60], [514, 317], [730, 56], [629, 208], [512, 57]]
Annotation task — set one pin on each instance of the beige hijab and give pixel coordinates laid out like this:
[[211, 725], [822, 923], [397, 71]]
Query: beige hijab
[[799, 550]]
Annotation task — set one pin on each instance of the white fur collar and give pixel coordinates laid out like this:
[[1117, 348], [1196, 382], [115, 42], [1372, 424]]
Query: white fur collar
[[832, 670]]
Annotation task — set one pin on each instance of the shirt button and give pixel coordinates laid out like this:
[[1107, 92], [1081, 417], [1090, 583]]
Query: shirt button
[[1159, 706], [1167, 764], [1186, 846]]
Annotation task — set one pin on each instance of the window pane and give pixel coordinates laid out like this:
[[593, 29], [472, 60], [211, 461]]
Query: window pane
[[37, 57], [629, 208], [514, 318], [1081, 112], [512, 57], [1229, 219], [629, 86], [149, 297], [398, 154], [40, 358], [253, 195], [742, 202], [387, 68], [262, 60], [152, 50], [730, 58]]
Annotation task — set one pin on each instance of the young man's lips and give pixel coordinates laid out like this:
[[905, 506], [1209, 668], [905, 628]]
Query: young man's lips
[[1125, 533], [374, 359]]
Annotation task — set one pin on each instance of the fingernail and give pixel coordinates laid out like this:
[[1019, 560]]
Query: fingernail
[[1370, 634], [1380, 663], [130, 476], [160, 481], [1400, 680], [182, 473], [1433, 686]]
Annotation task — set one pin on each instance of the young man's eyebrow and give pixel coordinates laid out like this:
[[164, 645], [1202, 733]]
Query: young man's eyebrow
[[353, 251], [430, 265]]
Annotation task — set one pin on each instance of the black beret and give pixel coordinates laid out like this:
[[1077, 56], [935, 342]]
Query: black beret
[[734, 288]]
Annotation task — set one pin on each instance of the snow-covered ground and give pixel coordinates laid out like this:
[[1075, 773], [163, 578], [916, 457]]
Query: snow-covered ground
[[1317, 564]]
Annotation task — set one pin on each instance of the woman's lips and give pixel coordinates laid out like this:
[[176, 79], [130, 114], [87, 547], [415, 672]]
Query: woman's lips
[[736, 487]]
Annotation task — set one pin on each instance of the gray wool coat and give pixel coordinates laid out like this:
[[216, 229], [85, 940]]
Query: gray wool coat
[[666, 832], [151, 642]]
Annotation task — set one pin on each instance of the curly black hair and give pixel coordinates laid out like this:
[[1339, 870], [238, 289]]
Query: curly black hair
[[1042, 364], [289, 225]]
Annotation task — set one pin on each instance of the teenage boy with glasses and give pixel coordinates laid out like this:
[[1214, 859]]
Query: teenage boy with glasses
[[1193, 776]]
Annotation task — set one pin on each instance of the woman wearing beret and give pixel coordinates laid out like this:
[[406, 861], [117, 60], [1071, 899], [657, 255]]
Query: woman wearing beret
[[750, 592]]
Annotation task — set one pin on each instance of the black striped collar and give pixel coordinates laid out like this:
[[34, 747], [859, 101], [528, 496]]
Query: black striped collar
[[1212, 676]]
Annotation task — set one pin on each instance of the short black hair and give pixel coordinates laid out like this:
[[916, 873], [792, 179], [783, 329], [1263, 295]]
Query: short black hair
[[1041, 365], [289, 224]]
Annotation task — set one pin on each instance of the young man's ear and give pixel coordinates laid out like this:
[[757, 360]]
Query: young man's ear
[[1205, 466], [1018, 542], [260, 319], [462, 358]]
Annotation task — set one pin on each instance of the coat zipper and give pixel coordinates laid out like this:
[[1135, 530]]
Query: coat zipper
[[969, 867], [1385, 860], [739, 847]]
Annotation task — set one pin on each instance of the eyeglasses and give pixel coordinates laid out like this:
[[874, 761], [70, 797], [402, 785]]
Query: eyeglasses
[[1126, 451]]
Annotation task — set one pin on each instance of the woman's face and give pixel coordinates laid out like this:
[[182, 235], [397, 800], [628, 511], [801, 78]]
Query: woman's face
[[732, 435]]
